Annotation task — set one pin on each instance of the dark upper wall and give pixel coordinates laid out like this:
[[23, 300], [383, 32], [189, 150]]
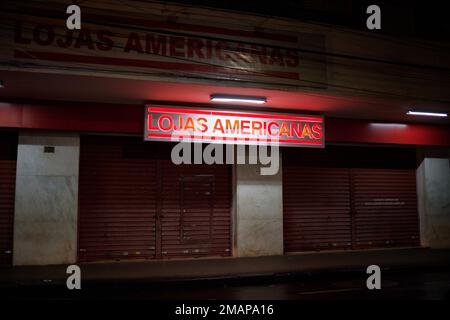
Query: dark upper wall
[[419, 19]]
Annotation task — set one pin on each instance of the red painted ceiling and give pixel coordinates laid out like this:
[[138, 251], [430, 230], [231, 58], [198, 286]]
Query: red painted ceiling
[[38, 86]]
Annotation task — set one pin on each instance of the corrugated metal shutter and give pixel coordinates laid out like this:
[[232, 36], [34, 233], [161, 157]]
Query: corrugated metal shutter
[[385, 203], [349, 197], [135, 203], [8, 159], [117, 199], [203, 193], [316, 208]]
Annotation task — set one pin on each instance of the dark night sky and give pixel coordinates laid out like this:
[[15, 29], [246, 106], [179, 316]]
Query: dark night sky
[[422, 19]]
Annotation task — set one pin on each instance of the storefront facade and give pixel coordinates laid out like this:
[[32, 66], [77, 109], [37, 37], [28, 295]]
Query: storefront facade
[[81, 181]]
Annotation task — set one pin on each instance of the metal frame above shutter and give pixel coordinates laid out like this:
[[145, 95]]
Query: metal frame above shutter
[[8, 161]]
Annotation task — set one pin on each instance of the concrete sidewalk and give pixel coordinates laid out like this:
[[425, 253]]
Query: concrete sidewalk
[[229, 268]]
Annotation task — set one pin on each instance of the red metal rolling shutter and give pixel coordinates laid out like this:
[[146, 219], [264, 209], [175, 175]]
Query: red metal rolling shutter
[[386, 208], [196, 210], [8, 159], [135, 203], [349, 197], [316, 208], [117, 196]]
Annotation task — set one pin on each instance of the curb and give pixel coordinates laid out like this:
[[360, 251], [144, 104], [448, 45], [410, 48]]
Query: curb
[[227, 280]]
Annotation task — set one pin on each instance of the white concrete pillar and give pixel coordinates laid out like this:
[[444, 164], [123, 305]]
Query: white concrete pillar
[[258, 205], [433, 196], [46, 204]]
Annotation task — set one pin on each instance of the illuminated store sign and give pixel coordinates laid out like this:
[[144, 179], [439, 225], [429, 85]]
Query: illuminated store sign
[[164, 123]]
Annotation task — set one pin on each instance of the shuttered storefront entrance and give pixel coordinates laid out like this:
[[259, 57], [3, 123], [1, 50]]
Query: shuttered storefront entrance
[[316, 208], [349, 198], [135, 204], [117, 200], [385, 206], [8, 159]]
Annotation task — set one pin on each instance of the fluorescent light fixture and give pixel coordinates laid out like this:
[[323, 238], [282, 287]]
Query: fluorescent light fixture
[[238, 98], [388, 125], [429, 114]]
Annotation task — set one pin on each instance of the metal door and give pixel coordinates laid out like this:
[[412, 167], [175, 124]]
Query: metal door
[[195, 210]]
